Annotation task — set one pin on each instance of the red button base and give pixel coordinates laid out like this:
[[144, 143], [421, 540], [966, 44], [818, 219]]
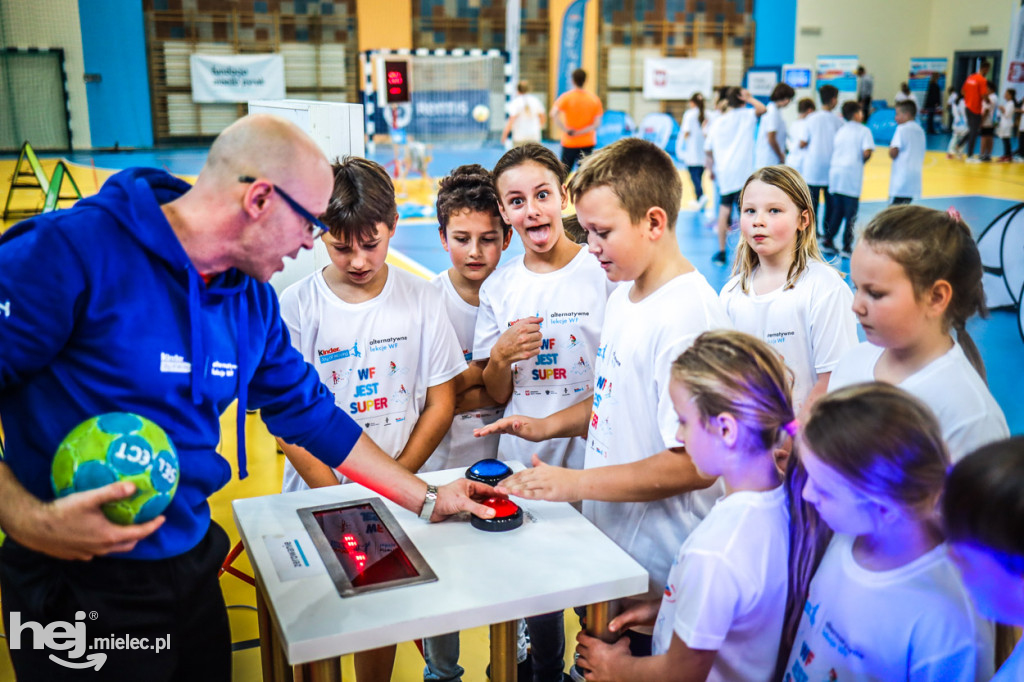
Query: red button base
[[507, 515]]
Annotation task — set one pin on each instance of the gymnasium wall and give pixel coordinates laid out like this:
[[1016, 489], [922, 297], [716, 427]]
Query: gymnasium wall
[[53, 24], [951, 21], [384, 24], [887, 33], [119, 110]]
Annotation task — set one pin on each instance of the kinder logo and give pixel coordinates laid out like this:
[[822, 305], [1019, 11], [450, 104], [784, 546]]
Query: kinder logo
[[71, 638]]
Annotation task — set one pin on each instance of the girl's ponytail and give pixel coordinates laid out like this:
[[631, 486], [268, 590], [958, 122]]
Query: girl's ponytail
[[808, 539], [698, 100]]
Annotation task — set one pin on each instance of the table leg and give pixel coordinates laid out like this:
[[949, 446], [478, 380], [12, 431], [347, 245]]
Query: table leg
[[326, 670], [275, 666], [503, 651], [598, 617]]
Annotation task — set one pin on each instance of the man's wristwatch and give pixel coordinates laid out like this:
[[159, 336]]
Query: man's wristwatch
[[429, 500]]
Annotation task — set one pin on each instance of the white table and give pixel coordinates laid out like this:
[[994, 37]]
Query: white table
[[556, 560]]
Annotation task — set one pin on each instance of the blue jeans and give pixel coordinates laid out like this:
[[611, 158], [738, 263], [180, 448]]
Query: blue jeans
[[815, 191], [547, 644], [442, 656], [696, 174], [844, 209]]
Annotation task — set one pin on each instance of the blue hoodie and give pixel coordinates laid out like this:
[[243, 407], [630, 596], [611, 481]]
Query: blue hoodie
[[101, 310]]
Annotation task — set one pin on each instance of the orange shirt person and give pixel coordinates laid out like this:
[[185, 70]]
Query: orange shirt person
[[578, 114], [974, 91]]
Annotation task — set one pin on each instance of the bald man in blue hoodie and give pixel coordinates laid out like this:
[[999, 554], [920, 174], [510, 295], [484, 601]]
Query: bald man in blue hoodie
[[123, 303]]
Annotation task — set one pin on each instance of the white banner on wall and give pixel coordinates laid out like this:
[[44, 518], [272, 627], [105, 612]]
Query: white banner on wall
[[676, 78], [761, 83], [236, 78]]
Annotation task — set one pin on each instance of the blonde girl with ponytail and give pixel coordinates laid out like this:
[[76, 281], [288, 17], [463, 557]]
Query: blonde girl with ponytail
[[721, 614]]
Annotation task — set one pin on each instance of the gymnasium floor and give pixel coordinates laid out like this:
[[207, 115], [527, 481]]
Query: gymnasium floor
[[980, 192]]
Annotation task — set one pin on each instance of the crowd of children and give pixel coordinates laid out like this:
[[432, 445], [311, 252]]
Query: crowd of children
[[779, 481]]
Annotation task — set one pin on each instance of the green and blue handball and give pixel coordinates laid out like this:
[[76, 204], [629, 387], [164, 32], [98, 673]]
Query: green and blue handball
[[119, 446]]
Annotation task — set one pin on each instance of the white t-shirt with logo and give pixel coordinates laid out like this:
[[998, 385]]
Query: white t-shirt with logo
[[771, 122], [846, 171], [907, 167], [914, 623], [811, 325], [968, 414], [727, 588], [377, 357], [459, 448], [528, 110], [633, 416], [820, 128], [730, 140], [690, 150], [572, 302]]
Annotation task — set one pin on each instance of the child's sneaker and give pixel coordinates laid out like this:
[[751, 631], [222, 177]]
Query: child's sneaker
[[1005, 159]]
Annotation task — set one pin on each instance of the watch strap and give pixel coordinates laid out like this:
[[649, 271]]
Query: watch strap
[[429, 500]]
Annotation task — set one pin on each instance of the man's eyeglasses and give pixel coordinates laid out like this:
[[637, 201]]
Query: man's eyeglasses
[[316, 228]]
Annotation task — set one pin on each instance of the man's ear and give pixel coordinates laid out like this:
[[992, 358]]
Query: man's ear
[[256, 199]]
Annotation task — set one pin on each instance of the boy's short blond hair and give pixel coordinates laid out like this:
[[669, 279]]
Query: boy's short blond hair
[[640, 174]]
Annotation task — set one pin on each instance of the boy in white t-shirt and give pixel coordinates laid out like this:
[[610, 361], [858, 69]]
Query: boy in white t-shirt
[[770, 148], [638, 484], [907, 153], [378, 337], [730, 156], [851, 149], [795, 152], [818, 135], [474, 236], [526, 117]]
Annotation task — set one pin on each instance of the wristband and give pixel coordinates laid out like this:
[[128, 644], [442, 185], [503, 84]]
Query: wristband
[[429, 500]]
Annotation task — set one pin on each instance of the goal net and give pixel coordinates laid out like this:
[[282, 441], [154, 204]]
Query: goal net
[[456, 97]]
